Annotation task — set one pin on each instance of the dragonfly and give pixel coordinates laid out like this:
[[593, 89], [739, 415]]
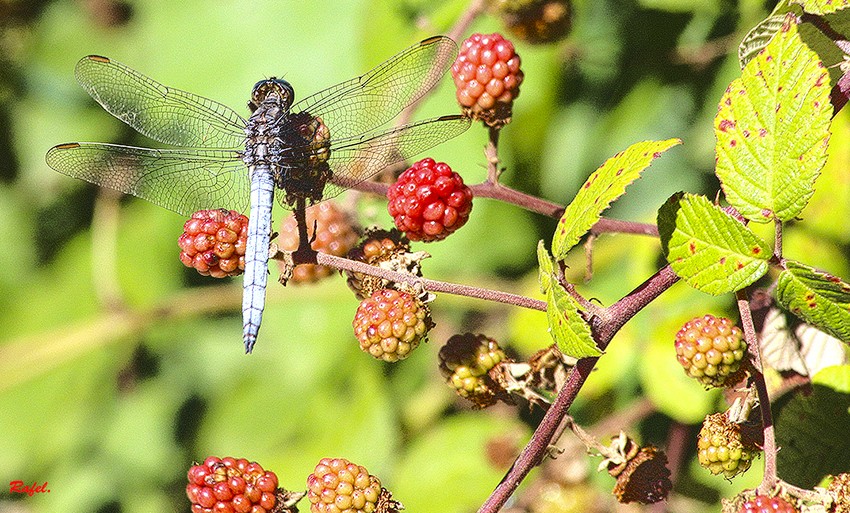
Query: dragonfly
[[299, 152]]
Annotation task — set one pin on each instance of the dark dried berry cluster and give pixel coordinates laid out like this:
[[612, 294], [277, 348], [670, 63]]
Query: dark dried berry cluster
[[429, 201], [230, 485], [388, 249], [214, 242]]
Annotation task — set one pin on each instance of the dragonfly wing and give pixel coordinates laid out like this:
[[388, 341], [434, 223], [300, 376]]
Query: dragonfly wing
[[168, 115], [356, 159], [364, 103], [180, 180]]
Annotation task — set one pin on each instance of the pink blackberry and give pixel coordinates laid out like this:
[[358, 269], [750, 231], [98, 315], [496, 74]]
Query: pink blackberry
[[487, 76], [429, 201], [213, 242], [340, 486], [711, 350], [390, 324]]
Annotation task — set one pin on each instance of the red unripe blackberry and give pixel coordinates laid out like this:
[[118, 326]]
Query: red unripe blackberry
[[390, 324], [340, 486], [221, 485], [429, 201], [465, 362], [214, 241], [487, 77], [386, 249], [335, 235], [725, 447], [711, 350], [765, 504]]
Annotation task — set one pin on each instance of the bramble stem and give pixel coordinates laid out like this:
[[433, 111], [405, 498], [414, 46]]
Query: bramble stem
[[604, 327], [769, 480], [430, 285]]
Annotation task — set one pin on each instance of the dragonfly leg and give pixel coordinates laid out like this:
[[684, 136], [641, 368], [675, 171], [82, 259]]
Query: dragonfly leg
[[304, 254]]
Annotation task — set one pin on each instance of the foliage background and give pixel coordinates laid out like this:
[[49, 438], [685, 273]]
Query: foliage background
[[118, 367]]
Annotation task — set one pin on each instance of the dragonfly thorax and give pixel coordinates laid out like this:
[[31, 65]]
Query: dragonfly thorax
[[273, 89]]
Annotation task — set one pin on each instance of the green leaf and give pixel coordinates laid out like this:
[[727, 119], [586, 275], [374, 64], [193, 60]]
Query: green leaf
[[822, 6], [820, 299], [602, 187], [757, 38], [772, 130], [812, 429], [546, 269], [566, 326], [707, 248]]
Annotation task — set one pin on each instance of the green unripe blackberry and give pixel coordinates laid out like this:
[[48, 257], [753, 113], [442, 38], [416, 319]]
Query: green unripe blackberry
[[723, 447], [465, 362]]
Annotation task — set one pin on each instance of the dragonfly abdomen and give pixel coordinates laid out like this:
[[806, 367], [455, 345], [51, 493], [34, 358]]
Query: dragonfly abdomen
[[257, 254]]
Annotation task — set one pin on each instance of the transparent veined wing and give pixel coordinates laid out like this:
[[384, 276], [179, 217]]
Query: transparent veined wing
[[356, 159], [180, 180], [165, 114], [364, 103]]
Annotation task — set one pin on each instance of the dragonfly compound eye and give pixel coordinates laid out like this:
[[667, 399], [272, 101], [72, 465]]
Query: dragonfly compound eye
[[272, 88]]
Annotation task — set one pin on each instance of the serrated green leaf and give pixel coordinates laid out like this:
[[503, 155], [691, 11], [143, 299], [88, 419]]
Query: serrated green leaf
[[602, 187], [566, 326], [757, 38], [819, 298], [707, 248], [772, 130], [822, 6], [545, 269]]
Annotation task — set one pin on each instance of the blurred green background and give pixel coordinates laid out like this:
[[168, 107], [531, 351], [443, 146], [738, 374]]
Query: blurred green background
[[119, 367]]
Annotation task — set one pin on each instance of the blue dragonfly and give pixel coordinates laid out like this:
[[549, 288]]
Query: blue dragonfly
[[299, 152]]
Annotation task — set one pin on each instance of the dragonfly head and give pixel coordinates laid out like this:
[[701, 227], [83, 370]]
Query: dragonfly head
[[275, 89]]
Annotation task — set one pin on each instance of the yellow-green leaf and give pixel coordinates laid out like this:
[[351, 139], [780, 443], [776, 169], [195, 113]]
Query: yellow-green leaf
[[546, 267], [566, 325], [772, 129], [707, 248], [602, 187]]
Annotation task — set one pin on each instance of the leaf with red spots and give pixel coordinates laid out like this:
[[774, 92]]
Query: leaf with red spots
[[772, 129], [707, 248], [819, 298], [602, 187], [566, 325], [822, 6]]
